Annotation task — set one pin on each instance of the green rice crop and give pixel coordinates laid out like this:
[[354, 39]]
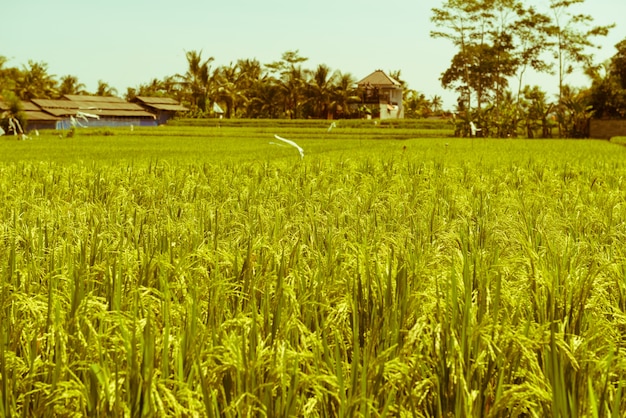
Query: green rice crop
[[187, 271]]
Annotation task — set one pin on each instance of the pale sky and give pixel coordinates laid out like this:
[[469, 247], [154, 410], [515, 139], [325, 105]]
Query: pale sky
[[129, 42]]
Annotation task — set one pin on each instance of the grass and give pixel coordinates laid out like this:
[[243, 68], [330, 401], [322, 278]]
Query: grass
[[203, 271]]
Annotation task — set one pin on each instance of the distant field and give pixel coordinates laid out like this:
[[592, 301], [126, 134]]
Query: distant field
[[210, 271]]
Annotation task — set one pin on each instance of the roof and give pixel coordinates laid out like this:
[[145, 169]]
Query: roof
[[379, 79], [100, 112], [31, 111], [92, 104], [39, 116], [161, 103], [98, 99]]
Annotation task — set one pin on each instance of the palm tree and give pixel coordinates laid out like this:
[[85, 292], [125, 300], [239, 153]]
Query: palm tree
[[436, 103], [230, 80], [319, 91], [250, 77], [105, 90], [197, 81], [291, 80], [35, 82], [343, 94], [70, 85]]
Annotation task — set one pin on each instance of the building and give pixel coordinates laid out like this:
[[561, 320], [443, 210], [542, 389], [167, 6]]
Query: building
[[95, 111], [35, 117], [163, 107], [382, 95]]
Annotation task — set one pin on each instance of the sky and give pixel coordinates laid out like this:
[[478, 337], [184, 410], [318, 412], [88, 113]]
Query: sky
[[129, 42]]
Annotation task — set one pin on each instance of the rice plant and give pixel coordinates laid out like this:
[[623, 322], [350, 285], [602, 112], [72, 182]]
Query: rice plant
[[212, 274]]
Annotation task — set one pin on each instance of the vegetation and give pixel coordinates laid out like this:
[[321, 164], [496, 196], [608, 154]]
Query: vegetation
[[498, 40], [188, 271]]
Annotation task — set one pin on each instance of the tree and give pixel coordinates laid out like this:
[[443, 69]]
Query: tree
[[70, 85], [229, 81], [34, 82], [416, 105], [536, 112], [8, 75], [573, 36], [319, 92], [105, 90], [618, 64], [197, 82], [343, 95], [436, 103], [12, 120], [607, 94], [290, 77], [484, 61]]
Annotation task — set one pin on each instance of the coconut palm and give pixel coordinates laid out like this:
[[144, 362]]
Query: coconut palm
[[197, 81], [105, 90], [343, 94], [230, 80], [436, 103], [319, 92], [70, 85], [34, 82]]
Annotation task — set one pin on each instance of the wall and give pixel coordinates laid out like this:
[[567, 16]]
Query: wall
[[394, 110], [607, 128]]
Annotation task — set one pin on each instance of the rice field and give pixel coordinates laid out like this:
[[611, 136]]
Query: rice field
[[203, 271]]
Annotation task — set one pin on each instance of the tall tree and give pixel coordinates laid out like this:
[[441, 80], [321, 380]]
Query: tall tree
[[70, 85], [34, 82], [343, 95], [198, 80], [8, 75], [573, 38], [105, 90], [319, 92], [291, 78], [618, 63], [229, 91], [607, 94], [484, 60]]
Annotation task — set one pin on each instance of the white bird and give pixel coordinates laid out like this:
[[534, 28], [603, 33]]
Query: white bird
[[2, 131], [293, 144], [332, 125]]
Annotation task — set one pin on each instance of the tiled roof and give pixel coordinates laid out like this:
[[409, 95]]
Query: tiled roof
[[378, 79]]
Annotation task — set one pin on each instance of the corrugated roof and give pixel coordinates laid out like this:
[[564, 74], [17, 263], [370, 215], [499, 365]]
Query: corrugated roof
[[98, 99], [161, 103], [109, 106], [101, 112], [156, 100], [379, 79], [39, 116], [55, 104]]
